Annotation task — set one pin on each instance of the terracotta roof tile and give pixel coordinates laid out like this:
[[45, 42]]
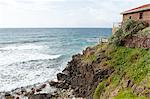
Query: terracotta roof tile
[[141, 8]]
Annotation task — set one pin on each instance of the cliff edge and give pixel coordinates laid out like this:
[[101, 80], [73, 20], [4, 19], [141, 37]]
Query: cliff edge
[[119, 69]]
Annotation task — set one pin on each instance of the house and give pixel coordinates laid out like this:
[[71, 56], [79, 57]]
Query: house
[[138, 13]]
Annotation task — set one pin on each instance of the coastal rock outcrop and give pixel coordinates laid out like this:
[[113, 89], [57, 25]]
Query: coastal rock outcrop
[[83, 76]]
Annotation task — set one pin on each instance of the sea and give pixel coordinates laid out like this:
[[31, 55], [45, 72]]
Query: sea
[[35, 55]]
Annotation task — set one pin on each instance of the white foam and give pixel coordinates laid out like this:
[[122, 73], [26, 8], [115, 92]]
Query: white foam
[[14, 57], [18, 78], [17, 69], [13, 54], [22, 47]]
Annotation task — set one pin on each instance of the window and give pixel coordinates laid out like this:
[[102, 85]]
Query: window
[[130, 17], [141, 16]]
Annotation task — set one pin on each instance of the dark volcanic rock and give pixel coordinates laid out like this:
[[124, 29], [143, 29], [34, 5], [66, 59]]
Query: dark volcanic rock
[[59, 84], [43, 86], [38, 90], [82, 76], [62, 76], [41, 96], [54, 83], [23, 90]]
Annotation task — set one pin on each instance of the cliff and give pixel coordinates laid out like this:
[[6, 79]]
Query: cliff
[[108, 71], [119, 69]]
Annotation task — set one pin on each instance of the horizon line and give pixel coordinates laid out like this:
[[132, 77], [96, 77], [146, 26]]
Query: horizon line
[[52, 27]]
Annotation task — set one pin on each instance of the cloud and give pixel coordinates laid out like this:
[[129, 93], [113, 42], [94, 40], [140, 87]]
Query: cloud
[[61, 13]]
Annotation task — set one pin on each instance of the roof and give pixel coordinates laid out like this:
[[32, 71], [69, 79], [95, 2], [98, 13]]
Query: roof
[[137, 9]]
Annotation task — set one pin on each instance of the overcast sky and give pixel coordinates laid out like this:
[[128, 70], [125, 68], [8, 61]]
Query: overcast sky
[[63, 13]]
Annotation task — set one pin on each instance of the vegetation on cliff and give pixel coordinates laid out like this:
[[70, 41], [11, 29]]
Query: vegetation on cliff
[[119, 69], [131, 76], [128, 29]]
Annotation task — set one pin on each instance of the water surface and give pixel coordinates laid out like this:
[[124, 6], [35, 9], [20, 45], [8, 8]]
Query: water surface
[[29, 56]]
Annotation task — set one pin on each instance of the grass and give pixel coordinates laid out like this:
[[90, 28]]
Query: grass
[[89, 58], [133, 63], [129, 63], [99, 90], [128, 94]]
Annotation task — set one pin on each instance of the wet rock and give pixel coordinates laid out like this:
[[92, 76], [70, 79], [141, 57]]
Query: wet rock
[[38, 90], [59, 84], [23, 90], [18, 93], [43, 86], [32, 91], [62, 77], [7, 94], [41, 96], [28, 94], [63, 85], [17, 98], [55, 83]]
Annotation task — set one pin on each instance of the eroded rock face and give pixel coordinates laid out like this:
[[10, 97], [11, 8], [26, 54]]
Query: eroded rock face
[[82, 76], [137, 42]]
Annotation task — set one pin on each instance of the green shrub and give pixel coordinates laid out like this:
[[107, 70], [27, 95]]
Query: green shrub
[[127, 29], [144, 32], [128, 25], [99, 90], [117, 37], [132, 27]]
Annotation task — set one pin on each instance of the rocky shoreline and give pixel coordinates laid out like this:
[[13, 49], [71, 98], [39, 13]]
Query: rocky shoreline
[[91, 75], [38, 91], [84, 76], [79, 79]]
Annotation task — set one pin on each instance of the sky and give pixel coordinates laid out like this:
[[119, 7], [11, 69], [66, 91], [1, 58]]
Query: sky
[[63, 13]]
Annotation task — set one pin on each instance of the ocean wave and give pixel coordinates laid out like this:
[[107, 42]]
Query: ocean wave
[[9, 58], [21, 42], [21, 53], [21, 47], [23, 75]]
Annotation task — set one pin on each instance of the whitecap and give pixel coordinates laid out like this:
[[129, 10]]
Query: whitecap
[[22, 53], [22, 47], [18, 69]]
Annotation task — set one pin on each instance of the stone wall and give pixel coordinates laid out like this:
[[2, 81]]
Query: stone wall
[[135, 16], [137, 42]]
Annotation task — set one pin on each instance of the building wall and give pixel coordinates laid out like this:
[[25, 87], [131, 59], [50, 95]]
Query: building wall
[[135, 16]]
